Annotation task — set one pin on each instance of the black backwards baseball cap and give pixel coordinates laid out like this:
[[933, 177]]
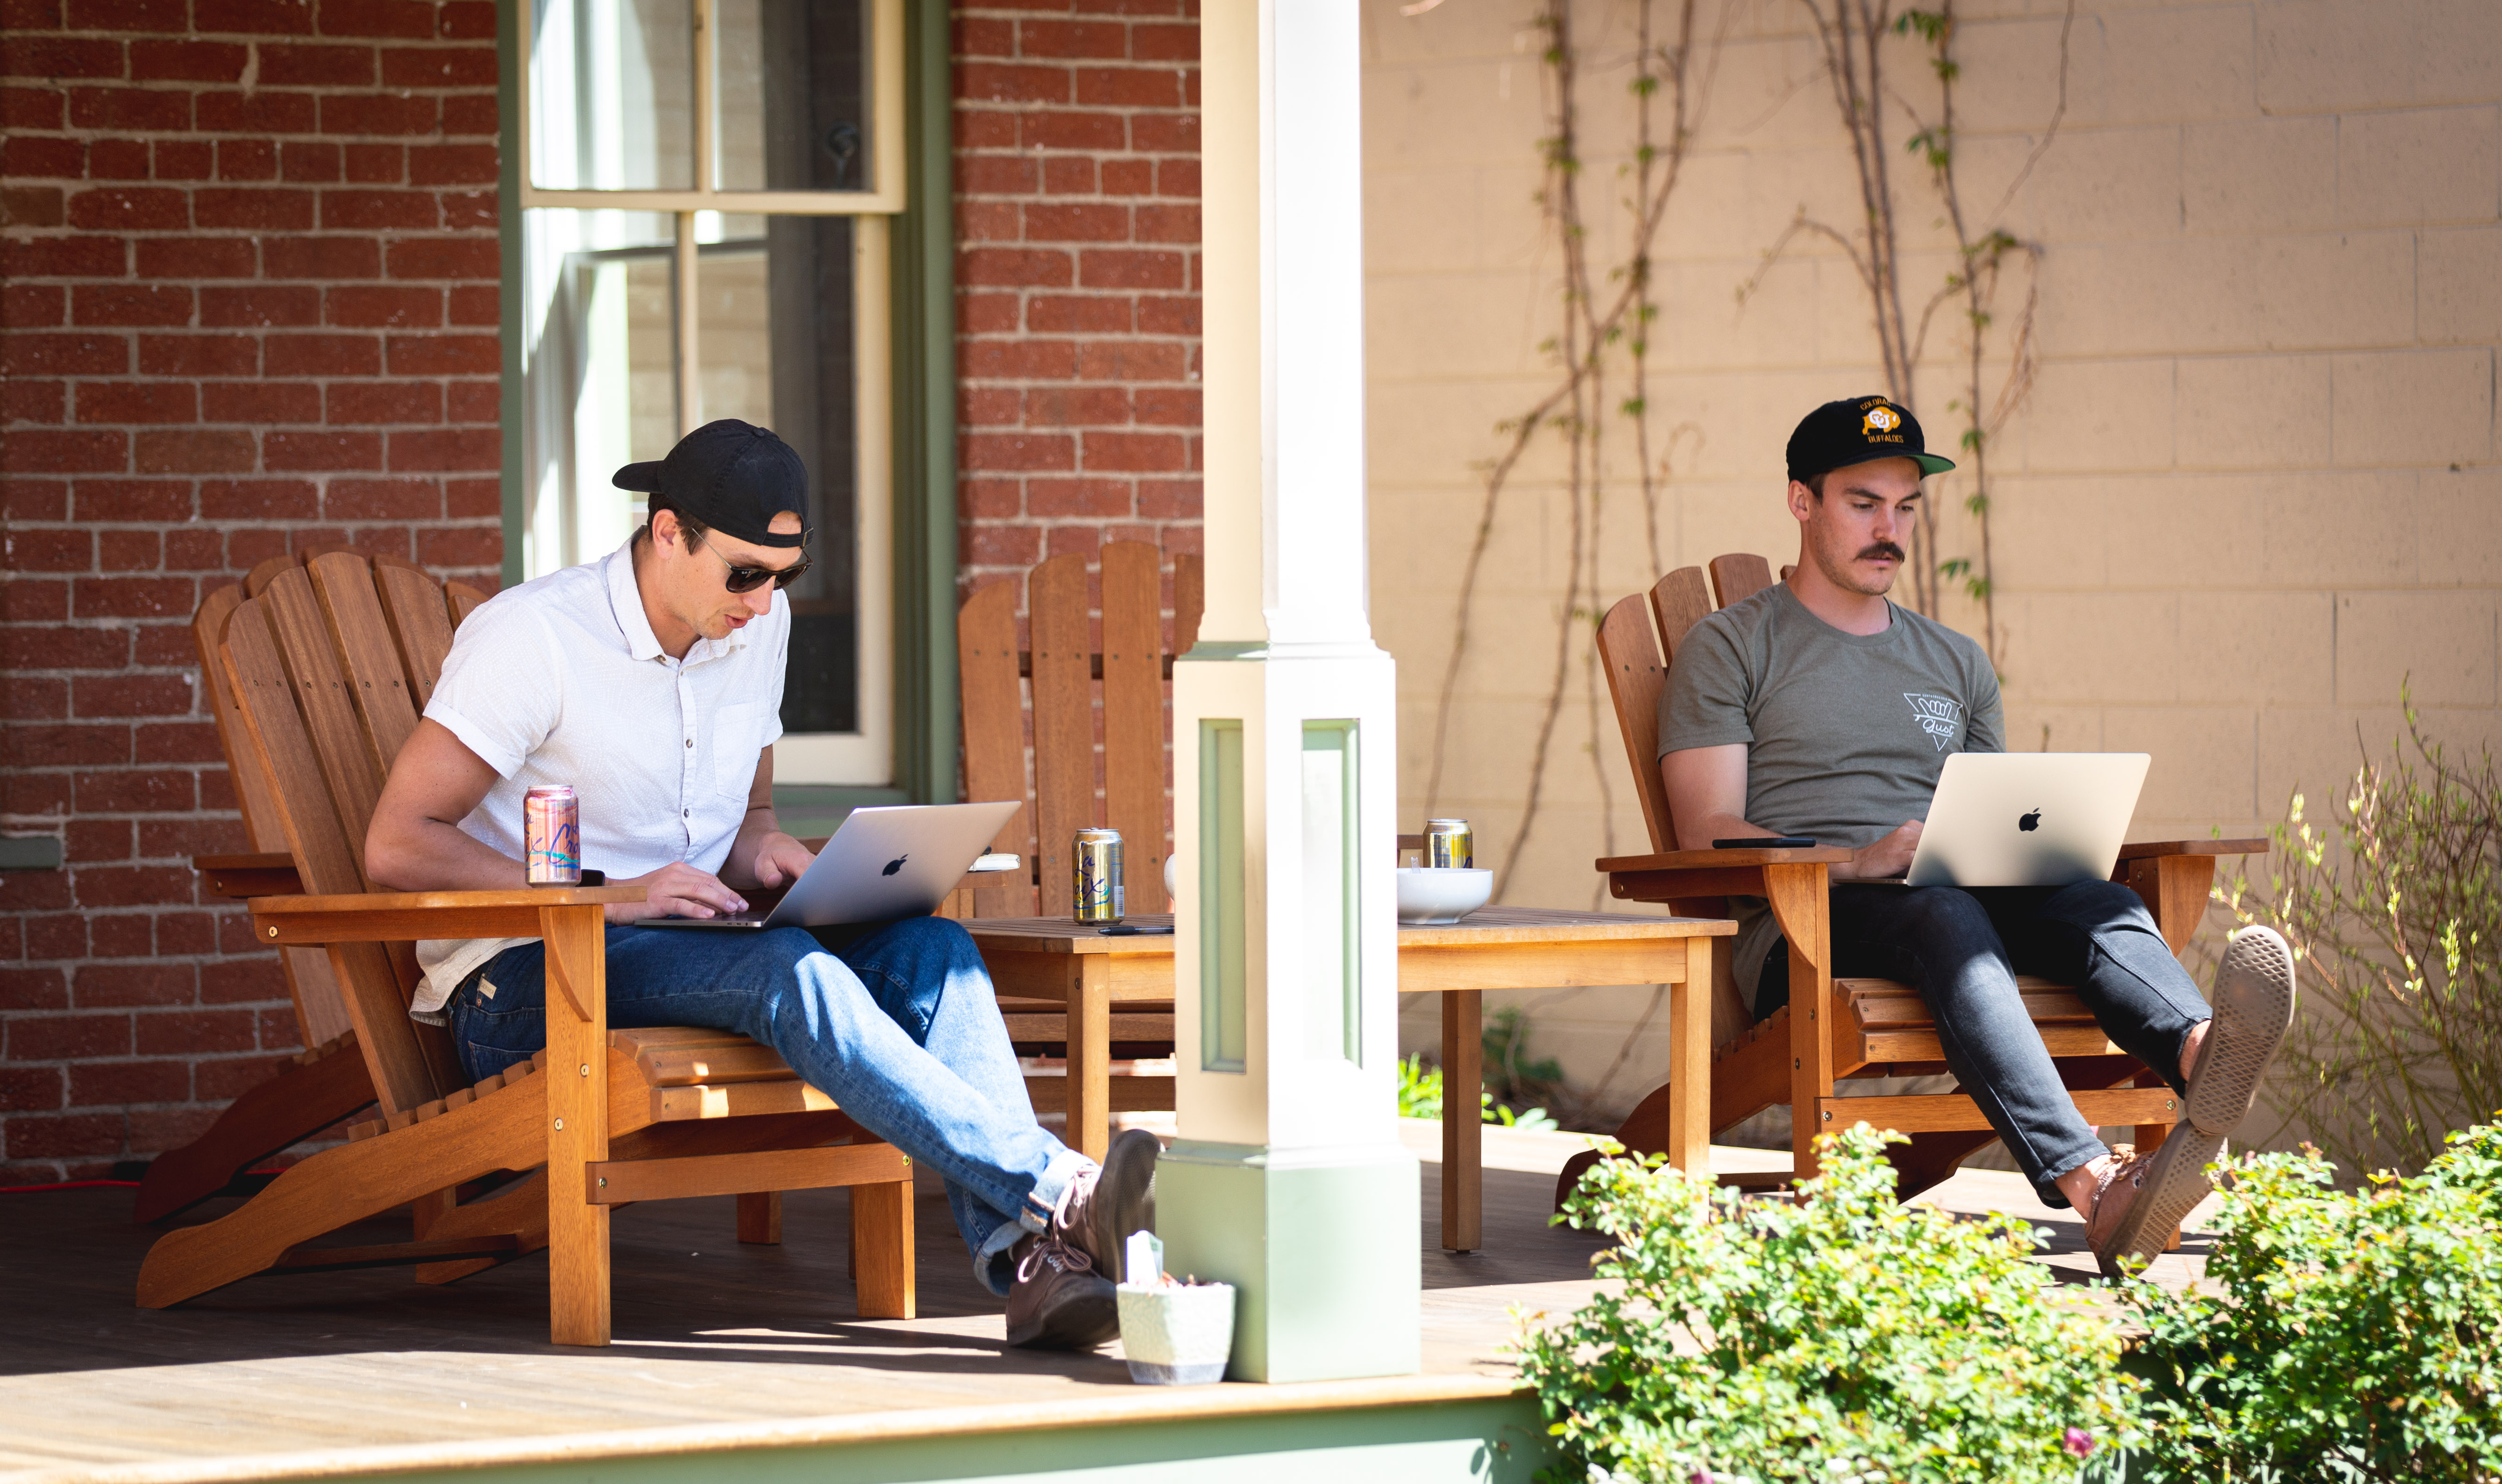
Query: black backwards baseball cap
[[732, 476], [1859, 430]]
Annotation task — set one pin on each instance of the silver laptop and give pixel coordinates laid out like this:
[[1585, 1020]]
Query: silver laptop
[[2027, 819], [883, 863]]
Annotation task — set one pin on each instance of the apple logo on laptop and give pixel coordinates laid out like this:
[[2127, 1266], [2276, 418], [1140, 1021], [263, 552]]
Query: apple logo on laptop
[[897, 864], [2028, 824]]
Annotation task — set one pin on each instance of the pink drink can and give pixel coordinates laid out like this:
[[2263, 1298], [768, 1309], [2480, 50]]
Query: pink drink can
[[551, 836]]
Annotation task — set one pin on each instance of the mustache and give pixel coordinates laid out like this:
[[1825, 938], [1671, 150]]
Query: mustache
[[1883, 549]]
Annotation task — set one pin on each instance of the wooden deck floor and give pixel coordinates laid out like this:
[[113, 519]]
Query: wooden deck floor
[[716, 1343]]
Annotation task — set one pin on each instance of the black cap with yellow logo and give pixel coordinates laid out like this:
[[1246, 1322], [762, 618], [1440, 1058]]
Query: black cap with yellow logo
[[1859, 430]]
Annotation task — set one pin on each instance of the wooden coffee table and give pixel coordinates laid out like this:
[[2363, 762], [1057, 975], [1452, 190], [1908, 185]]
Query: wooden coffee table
[[1121, 989]]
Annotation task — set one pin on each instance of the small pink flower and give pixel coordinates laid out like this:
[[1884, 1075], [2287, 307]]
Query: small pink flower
[[2078, 1442]]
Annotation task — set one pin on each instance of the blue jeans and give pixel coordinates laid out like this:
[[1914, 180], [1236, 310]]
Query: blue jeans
[[896, 1023], [1962, 949]]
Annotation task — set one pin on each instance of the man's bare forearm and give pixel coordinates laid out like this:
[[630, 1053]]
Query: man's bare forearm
[[428, 855]]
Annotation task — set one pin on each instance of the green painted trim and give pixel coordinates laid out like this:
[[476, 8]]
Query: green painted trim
[[1496, 1440], [1227, 649], [508, 238], [31, 853], [1322, 1245], [1224, 949], [1330, 766], [924, 285], [811, 809]]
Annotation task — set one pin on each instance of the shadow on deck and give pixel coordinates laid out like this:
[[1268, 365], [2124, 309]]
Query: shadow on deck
[[723, 1347]]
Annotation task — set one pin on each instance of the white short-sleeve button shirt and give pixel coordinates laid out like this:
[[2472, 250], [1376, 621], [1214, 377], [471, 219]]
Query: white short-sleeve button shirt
[[560, 681]]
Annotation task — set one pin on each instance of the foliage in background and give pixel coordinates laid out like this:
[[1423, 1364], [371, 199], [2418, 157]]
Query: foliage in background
[[1420, 1096], [1851, 36], [1608, 309], [2393, 907], [1844, 1337], [2358, 1336], [1511, 1073]]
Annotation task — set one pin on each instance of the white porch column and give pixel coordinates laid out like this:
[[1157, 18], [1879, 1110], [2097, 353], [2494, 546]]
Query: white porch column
[[1288, 1180]]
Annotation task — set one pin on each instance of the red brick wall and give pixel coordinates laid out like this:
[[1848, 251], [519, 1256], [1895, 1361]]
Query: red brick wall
[[1077, 277], [249, 302], [249, 261]]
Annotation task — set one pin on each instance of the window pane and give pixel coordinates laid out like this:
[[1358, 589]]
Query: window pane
[[773, 338], [612, 94], [599, 331], [791, 100], [775, 347]]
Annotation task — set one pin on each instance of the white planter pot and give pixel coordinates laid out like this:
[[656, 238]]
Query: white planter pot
[[1177, 1334]]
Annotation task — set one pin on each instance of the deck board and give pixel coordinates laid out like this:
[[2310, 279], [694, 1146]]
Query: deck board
[[708, 1332], [715, 1340]]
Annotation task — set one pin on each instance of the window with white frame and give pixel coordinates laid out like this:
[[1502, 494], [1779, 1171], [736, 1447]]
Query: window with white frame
[[706, 194]]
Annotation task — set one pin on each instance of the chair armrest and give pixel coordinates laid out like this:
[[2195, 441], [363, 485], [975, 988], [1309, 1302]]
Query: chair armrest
[[264, 874], [1679, 875], [2143, 849], [1721, 859], [389, 917]]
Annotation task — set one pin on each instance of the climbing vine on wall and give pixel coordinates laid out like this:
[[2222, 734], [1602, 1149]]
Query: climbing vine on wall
[[1852, 35], [1610, 313], [1599, 403]]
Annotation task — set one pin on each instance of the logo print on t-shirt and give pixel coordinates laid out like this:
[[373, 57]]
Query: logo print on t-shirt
[[1938, 717]]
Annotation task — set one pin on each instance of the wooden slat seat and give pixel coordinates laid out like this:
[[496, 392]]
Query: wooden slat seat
[[325, 667]]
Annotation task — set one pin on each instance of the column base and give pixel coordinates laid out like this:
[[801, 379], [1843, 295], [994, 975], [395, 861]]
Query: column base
[[1321, 1246]]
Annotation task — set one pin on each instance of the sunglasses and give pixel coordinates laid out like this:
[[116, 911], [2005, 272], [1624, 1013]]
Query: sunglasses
[[749, 579]]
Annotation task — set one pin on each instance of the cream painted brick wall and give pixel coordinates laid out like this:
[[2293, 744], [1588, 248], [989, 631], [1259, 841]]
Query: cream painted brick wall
[[2255, 483]]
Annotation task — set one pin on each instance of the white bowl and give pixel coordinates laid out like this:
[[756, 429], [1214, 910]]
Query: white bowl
[[1437, 896]]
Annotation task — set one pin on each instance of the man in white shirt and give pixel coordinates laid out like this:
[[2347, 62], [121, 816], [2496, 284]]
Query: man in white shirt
[[651, 682]]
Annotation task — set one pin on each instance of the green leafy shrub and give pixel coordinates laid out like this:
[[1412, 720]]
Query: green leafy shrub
[[2359, 1334], [1420, 1088], [2393, 906], [1511, 1073], [1842, 1337], [1420, 1096]]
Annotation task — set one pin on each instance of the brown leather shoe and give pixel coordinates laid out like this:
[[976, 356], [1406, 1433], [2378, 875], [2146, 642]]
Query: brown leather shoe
[[1105, 1205], [1057, 1300], [2141, 1198]]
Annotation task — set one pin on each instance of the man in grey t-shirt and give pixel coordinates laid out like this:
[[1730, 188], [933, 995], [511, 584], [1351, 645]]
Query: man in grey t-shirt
[[1817, 708]]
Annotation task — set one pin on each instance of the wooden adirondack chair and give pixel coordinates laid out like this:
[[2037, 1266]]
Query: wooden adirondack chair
[[327, 1082], [1848, 1027], [1069, 671], [323, 1083], [329, 665]]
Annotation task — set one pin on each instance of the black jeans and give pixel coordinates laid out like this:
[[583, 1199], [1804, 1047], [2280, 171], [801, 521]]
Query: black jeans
[[1962, 949]]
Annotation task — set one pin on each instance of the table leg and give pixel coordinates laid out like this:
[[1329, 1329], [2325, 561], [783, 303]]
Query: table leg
[[1689, 1051], [1089, 1056], [1462, 1126]]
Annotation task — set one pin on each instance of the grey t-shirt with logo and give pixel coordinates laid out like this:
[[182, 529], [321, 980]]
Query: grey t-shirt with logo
[[1846, 734]]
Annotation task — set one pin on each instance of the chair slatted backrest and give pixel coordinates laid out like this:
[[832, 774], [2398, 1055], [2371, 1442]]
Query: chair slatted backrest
[[1062, 667], [463, 601], [1637, 659], [1636, 677], [1062, 672], [251, 783], [319, 1014], [420, 625], [1739, 576], [327, 702]]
